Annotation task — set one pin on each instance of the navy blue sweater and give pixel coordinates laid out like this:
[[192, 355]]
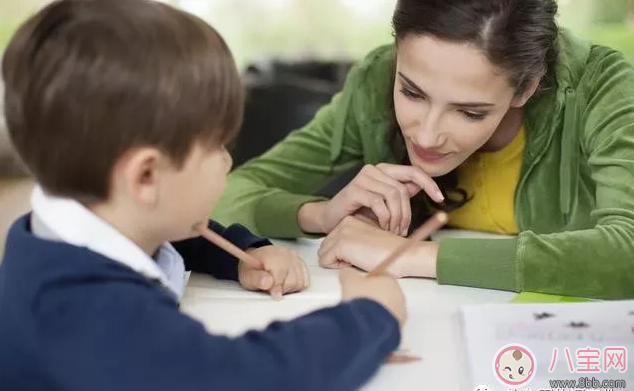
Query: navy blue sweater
[[73, 320]]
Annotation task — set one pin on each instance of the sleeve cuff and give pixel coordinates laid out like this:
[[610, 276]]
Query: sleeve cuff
[[243, 238], [480, 263], [377, 316], [276, 215], [227, 267]]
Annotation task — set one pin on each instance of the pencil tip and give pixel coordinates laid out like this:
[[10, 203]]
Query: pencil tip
[[442, 217]]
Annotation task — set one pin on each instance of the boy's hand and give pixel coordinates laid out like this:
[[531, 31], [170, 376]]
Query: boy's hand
[[284, 271], [382, 289]]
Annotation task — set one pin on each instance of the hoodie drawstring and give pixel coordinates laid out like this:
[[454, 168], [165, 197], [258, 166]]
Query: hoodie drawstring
[[569, 164]]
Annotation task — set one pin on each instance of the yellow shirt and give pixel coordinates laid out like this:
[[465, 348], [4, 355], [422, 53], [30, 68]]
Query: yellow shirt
[[490, 179]]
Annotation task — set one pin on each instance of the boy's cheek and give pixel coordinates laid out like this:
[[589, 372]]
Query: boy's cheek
[[214, 197]]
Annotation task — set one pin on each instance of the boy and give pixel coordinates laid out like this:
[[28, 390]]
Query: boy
[[121, 110]]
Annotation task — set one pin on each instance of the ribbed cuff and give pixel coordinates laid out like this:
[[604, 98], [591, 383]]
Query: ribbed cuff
[[481, 263]]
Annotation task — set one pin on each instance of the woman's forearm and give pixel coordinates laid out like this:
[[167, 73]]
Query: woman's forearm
[[420, 261]]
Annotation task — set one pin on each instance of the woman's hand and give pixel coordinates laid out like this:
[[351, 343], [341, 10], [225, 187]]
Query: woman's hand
[[355, 242], [384, 189]]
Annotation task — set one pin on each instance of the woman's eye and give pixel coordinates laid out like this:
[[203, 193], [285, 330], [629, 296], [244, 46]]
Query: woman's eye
[[410, 94], [473, 115]]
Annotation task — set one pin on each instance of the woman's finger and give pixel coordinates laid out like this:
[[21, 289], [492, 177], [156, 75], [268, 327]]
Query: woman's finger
[[378, 183], [400, 191], [413, 174], [360, 197]]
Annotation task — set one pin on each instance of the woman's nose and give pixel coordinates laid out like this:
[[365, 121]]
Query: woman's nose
[[427, 133]]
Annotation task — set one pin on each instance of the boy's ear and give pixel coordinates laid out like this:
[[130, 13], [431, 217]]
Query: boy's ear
[[521, 99], [140, 173]]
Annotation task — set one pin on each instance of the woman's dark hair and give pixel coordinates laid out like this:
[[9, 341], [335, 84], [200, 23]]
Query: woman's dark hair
[[517, 36]]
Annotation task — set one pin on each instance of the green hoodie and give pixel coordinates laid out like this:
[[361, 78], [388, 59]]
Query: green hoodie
[[574, 203]]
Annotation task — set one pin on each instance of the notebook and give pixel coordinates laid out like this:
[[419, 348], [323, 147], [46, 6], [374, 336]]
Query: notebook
[[526, 346]]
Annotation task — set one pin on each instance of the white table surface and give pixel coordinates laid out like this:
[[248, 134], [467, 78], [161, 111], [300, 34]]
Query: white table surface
[[433, 329]]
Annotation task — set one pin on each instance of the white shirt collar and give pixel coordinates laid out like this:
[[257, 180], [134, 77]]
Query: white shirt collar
[[71, 222]]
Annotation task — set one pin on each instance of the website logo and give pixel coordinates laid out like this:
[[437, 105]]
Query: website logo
[[514, 365]]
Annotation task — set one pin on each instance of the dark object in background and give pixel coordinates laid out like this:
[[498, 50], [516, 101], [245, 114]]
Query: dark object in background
[[282, 97]]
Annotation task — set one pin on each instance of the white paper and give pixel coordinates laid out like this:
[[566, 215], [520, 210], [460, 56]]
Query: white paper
[[543, 327]]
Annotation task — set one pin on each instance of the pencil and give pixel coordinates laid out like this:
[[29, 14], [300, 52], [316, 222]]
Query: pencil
[[421, 233], [429, 227], [228, 246], [399, 358]]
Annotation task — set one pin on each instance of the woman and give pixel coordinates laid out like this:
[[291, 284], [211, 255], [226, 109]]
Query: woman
[[482, 108]]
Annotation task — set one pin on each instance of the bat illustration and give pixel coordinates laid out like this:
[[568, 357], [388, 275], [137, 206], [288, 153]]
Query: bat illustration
[[578, 325], [543, 315]]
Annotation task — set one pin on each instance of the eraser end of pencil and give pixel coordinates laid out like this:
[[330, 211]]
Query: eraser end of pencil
[[442, 217]]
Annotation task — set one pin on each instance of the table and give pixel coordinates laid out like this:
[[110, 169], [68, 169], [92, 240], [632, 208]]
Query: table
[[433, 329]]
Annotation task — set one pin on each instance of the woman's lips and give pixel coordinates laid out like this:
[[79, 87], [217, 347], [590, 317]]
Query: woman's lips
[[428, 155]]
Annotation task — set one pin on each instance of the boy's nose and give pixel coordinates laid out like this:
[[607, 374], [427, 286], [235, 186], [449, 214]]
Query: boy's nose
[[228, 160]]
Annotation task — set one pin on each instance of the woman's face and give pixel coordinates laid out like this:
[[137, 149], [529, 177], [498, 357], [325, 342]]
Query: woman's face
[[449, 100]]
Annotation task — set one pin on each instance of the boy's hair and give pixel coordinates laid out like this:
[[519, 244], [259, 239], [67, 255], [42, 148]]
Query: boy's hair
[[87, 80]]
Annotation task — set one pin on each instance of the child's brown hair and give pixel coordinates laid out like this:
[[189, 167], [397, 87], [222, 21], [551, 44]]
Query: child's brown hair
[[87, 80]]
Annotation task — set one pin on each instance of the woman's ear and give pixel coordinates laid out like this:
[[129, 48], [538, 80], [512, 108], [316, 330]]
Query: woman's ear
[[138, 174], [521, 99]]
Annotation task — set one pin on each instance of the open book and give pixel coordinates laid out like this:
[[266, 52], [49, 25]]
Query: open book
[[533, 346]]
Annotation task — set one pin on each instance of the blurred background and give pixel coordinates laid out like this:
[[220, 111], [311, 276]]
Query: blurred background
[[340, 29], [294, 55]]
